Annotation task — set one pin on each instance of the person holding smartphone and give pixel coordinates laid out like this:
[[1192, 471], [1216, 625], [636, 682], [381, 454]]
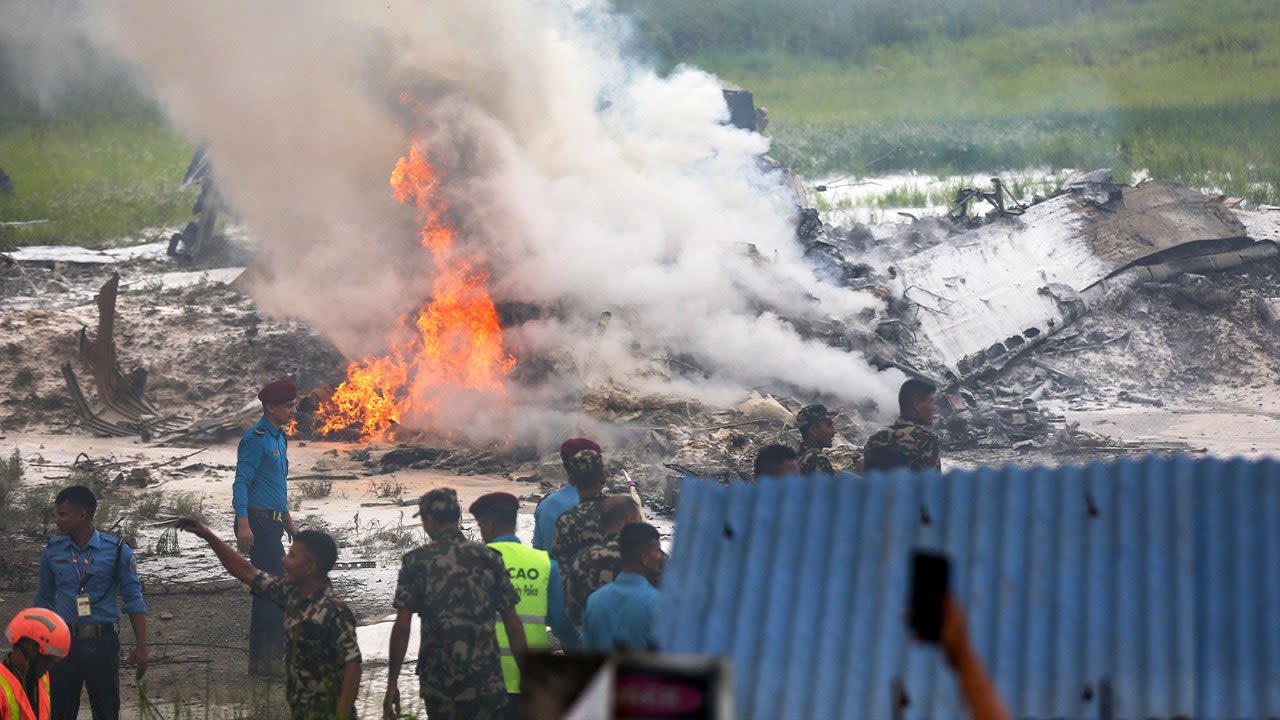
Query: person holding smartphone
[[976, 688], [935, 617]]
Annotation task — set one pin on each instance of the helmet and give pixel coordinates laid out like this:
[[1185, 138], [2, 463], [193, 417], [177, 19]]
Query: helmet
[[45, 627]]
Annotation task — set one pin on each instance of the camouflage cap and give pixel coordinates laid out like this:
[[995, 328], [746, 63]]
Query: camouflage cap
[[581, 456], [584, 462], [810, 414], [441, 501]]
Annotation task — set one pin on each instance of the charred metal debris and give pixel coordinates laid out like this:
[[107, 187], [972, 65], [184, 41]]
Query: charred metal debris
[[982, 304]]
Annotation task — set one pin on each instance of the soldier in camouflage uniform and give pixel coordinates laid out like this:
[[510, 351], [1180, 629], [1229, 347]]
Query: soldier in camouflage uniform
[[908, 443], [458, 588], [597, 565], [322, 658], [816, 433], [581, 526]]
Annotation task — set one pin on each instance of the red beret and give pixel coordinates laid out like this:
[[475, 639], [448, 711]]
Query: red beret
[[573, 446], [494, 501], [280, 391]]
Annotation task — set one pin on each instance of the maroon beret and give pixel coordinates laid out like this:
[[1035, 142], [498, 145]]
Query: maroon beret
[[573, 446], [494, 501], [280, 391]]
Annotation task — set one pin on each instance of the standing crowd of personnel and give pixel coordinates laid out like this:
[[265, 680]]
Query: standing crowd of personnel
[[908, 443], [589, 580]]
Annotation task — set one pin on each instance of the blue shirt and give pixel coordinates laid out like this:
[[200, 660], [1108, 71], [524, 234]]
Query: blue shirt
[[620, 614], [61, 565], [262, 463], [556, 616], [550, 510]]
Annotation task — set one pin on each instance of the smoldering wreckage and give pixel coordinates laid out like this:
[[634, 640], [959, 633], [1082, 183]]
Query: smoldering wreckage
[[1101, 294]]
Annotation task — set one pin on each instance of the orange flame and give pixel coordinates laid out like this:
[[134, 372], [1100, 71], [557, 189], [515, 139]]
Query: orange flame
[[459, 340]]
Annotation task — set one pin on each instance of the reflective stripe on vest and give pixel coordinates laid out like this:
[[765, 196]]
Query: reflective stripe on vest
[[530, 573], [15, 705]]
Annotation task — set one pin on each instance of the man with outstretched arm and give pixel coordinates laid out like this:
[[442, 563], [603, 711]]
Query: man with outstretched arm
[[322, 658]]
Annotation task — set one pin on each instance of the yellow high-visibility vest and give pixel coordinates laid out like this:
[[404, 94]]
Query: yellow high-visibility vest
[[13, 698], [530, 572]]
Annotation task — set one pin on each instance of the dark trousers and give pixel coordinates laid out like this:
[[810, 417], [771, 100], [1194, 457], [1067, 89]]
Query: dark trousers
[[266, 624], [93, 663]]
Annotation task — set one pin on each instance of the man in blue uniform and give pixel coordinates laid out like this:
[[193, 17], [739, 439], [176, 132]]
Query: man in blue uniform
[[82, 572], [260, 499], [620, 614], [553, 506]]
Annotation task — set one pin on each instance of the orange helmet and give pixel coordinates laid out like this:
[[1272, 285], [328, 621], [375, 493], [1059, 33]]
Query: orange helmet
[[45, 627]]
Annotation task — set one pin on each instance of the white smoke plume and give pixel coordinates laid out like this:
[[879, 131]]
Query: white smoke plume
[[588, 182]]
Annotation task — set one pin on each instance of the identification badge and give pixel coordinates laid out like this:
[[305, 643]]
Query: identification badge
[[83, 608]]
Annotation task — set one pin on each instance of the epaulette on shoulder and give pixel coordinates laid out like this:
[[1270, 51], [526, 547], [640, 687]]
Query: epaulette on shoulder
[[260, 432], [58, 540]]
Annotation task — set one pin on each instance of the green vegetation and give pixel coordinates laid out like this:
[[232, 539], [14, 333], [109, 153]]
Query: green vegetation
[[95, 181], [1185, 90]]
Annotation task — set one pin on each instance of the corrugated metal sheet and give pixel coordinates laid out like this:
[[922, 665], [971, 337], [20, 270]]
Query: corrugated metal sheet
[[1135, 590]]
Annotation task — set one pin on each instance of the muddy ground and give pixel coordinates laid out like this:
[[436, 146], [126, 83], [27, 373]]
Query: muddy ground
[[1188, 366]]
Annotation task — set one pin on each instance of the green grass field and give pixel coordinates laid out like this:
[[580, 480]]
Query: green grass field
[[1187, 91], [95, 181]]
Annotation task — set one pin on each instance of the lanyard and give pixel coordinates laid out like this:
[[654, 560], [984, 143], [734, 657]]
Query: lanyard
[[81, 568]]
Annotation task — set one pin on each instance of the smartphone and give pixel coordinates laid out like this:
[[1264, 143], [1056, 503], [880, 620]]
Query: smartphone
[[930, 580]]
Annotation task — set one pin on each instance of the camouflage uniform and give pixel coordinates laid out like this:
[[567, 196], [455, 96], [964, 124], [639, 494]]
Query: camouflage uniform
[[902, 444], [810, 458], [320, 639], [581, 526], [458, 588], [591, 569], [813, 462]]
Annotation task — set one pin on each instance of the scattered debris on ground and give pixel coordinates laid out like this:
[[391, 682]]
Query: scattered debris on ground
[[1100, 296]]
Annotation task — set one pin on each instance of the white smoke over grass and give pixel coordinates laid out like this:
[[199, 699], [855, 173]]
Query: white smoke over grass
[[588, 183]]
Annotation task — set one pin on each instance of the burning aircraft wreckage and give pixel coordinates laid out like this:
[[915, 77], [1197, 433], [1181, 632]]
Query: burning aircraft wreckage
[[1100, 295]]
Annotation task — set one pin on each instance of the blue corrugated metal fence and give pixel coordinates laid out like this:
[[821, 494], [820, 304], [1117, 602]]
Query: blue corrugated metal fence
[[1140, 589]]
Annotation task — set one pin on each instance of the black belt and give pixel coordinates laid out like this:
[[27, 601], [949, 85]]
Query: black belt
[[262, 514], [93, 630]]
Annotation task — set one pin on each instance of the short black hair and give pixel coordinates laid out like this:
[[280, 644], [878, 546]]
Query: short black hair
[[321, 547], [770, 457], [913, 391], [618, 510], [452, 515], [501, 513], [80, 496], [634, 538]]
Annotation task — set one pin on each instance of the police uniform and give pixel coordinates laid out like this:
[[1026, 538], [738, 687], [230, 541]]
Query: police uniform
[[320, 640], [81, 584], [904, 444], [458, 588], [536, 578], [620, 614], [548, 512], [260, 492]]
